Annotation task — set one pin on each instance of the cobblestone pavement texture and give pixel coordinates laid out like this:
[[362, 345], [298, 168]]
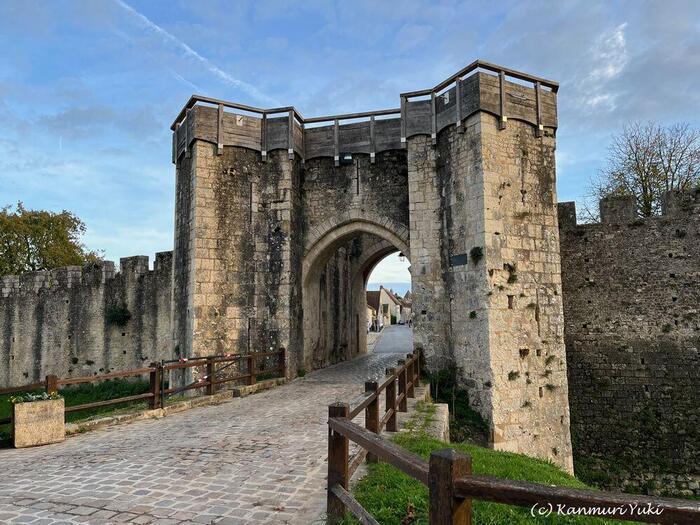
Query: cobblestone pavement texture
[[395, 339], [257, 459]]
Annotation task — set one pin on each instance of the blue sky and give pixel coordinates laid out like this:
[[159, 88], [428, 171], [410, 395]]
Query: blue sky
[[88, 89]]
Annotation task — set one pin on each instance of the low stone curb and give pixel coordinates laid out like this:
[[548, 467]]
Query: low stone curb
[[222, 397]]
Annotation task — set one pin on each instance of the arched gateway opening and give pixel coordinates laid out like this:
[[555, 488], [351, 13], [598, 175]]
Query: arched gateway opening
[[335, 274]]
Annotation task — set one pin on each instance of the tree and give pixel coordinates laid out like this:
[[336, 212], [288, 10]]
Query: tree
[[40, 240], [648, 160]]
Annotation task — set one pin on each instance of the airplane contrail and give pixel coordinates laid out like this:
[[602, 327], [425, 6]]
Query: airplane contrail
[[227, 78]]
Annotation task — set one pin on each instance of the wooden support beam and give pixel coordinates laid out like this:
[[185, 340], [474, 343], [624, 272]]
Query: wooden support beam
[[403, 121], [391, 400], [154, 378], [458, 105], [252, 369], [410, 375], [187, 132], [220, 131], [282, 361], [403, 406], [372, 145], [446, 506], [502, 100], [538, 109], [211, 387], [338, 469], [336, 150], [372, 414], [290, 135], [51, 384], [263, 137], [433, 119], [174, 155]]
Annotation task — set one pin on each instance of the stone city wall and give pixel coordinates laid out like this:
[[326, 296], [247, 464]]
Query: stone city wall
[[79, 321], [632, 325]]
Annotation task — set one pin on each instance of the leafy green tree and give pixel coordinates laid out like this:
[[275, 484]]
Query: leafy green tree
[[40, 240]]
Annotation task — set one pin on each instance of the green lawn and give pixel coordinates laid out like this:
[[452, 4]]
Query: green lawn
[[86, 393], [392, 497]]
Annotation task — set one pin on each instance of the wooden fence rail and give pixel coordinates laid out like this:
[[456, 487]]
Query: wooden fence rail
[[448, 474], [212, 377]]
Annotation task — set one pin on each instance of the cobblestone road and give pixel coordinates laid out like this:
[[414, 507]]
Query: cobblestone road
[[395, 338], [259, 459]]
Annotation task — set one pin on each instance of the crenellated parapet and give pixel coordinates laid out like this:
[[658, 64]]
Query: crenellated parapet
[[425, 112], [623, 210], [93, 273]]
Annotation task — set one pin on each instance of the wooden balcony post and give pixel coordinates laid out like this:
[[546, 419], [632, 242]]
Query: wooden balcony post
[[411, 375], [403, 405], [51, 384], [154, 377], [252, 369], [391, 400], [338, 471], [210, 376], [446, 508], [282, 363], [372, 414]]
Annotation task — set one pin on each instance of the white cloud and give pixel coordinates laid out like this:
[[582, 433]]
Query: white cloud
[[191, 53], [391, 270]]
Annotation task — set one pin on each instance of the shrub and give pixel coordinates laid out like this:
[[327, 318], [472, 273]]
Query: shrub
[[476, 254], [117, 315], [513, 375]]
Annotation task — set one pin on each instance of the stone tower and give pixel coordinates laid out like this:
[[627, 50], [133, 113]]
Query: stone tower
[[280, 219]]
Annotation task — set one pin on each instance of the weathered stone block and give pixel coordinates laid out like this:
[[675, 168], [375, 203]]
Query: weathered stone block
[[37, 423]]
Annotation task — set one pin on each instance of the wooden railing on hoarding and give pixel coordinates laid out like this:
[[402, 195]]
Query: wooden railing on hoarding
[[159, 387], [448, 474]]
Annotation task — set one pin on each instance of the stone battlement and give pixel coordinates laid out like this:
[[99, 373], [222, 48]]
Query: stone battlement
[[623, 210], [96, 273]]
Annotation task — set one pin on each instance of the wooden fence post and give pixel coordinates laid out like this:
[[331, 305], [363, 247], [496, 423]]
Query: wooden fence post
[[252, 367], [411, 373], [403, 404], [51, 384], [372, 414], [282, 363], [155, 386], [416, 364], [446, 508], [338, 471], [391, 400], [161, 369], [210, 376]]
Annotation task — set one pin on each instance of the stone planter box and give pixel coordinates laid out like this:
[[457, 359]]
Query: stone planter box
[[38, 423]]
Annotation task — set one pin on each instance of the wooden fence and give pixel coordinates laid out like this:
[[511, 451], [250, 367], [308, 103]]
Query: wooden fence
[[161, 386], [448, 474]]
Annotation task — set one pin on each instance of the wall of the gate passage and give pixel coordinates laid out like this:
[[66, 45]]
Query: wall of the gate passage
[[631, 299], [89, 320], [348, 211]]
